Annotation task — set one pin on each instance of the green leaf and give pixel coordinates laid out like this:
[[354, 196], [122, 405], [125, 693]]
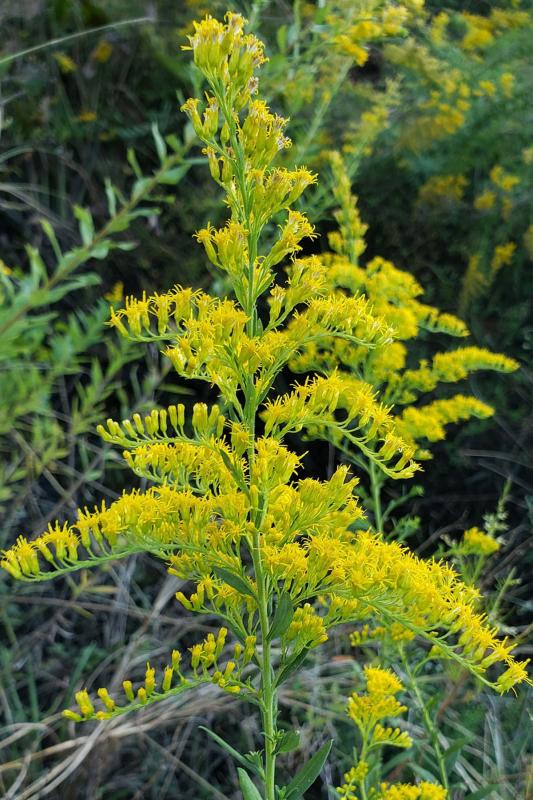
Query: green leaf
[[86, 224], [172, 176], [289, 740], [309, 773], [134, 164], [291, 666], [234, 580], [230, 750], [249, 790], [452, 753], [160, 145], [111, 197], [282, 617], [281, 38], [52, 238], [483, 792]]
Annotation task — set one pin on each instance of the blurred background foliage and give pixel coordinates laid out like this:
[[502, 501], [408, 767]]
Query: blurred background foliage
[[101, 189]]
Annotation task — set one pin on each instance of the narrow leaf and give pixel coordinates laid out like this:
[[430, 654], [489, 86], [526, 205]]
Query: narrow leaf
[[282, 617], [134, 164], [86, 224], [234, 580], [249, 790], [483, 792], [309, 773], [289, 741], [229, 749], [111, 198], [291, 666], [160, 145]]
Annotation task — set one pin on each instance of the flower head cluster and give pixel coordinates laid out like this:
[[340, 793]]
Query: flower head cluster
[[395, 296], [368, 710], [477, 542]]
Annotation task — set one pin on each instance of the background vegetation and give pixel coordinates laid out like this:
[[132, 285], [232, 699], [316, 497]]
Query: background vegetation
[[435, 127]]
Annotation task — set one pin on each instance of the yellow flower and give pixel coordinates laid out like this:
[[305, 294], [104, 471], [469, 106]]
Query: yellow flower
[[65, 63], [507, 81], [504, 180], [485, 201], [450, 187], [478, 542], [116, 293], [102, 51], [503, 255], [87, 116], [487, 88]]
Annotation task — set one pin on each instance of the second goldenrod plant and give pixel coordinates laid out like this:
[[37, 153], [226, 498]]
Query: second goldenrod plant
[[273, 554]]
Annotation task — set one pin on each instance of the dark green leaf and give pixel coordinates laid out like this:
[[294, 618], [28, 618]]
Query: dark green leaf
[[483, 792], [86, 224], [288, 741], [291, 666], [160, 145], [249, 790], [452, 753], [173, 176], [309, 773], [282, 617], [134, 164], [236, 581], [229, 749]]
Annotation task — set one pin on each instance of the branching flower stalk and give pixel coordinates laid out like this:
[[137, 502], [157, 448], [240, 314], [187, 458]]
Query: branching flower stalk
[[276, 558]]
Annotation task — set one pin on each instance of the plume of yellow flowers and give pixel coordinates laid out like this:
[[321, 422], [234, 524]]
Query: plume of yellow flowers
[[395, 296], [273, 554], [368, 710]]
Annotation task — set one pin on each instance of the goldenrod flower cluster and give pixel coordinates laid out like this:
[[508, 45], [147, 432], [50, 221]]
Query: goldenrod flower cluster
[[477, 542], [367, 710], [206, 668], [395, 295], [379, 21], [453, 92]]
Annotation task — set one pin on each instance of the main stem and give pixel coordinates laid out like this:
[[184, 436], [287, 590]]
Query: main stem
[[268, 694], [428, 723], [376, 497]]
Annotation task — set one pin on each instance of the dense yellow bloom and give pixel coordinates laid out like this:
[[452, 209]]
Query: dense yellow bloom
[[485, 201], [377, 703], [404, 791], [503, 255], [450, 187], [428, 421], [504, 180], [478, 542]]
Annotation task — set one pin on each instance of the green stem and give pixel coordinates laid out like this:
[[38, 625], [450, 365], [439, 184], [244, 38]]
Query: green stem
[[268, 692], [429, 725], [375, 484], [363, 757]]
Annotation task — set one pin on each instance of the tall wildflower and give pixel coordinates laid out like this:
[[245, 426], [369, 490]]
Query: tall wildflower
[[227, 508]]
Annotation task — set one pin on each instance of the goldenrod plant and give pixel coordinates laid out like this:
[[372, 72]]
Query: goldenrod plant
[[475, 190], [389, 368], [279, 558]]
